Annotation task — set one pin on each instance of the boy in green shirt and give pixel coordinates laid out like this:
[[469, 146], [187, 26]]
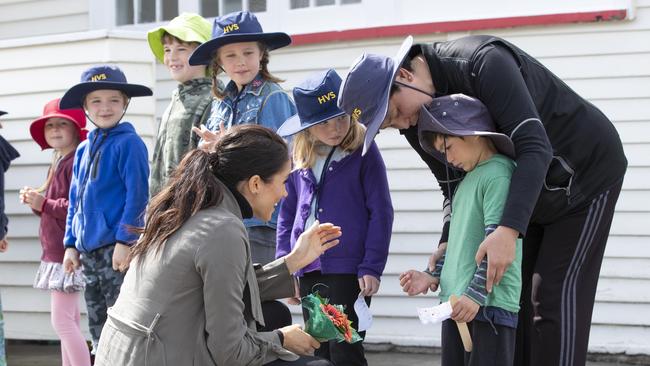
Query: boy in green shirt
[[457, 130], [172, 45]]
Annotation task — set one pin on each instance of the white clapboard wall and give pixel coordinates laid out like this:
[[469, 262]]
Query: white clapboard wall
[[34, 71], [605, 62]]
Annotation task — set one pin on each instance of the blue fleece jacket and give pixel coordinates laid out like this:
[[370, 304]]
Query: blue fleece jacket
[[109, 189]]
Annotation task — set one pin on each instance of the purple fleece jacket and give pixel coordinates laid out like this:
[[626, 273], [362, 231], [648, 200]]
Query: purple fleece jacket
[[354, 196]]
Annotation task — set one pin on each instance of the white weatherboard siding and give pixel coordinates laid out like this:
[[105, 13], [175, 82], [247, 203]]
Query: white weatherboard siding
[[34, 71], [605, 62], [26, 18]]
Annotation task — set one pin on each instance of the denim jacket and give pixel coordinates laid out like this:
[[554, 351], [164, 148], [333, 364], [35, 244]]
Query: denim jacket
[[261, 102]]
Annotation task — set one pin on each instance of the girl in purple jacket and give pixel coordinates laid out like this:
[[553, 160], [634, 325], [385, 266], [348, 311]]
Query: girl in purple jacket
[[61, 130], [333, 182]]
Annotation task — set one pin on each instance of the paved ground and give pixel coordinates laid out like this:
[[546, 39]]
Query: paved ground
[[47, 354]]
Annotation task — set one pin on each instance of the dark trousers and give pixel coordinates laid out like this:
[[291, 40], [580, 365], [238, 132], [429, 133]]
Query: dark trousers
[[262, 243], [276, 316], [302, 361], [493, 345], [341, 289], [560, 269], [102, 287]]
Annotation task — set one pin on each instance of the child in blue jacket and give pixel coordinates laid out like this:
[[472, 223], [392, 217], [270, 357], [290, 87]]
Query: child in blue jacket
[[334, 183], [108, 191]]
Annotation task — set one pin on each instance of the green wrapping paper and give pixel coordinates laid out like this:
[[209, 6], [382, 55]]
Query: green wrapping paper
[[328, 322]]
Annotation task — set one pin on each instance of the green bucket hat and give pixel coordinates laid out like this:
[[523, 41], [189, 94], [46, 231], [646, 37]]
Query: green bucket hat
[[188, 27]]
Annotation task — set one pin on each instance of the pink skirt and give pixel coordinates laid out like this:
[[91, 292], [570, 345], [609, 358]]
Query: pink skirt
[[51, 276]]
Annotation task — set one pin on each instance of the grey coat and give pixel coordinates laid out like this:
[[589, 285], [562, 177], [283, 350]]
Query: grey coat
[[196, 302]]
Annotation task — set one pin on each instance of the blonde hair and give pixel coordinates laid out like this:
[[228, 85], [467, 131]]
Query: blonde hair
[[216, 69], [56, 157], [305, 145]]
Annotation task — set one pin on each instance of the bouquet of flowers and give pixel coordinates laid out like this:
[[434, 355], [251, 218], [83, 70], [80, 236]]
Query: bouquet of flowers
[[327, 321]]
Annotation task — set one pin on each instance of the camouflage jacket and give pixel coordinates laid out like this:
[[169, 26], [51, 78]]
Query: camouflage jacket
[[190, 106]]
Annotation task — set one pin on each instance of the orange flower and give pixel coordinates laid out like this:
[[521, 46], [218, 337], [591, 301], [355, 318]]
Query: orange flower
[[339, 319]]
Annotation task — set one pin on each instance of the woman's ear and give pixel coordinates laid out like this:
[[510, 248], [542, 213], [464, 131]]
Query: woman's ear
[[254, 184]]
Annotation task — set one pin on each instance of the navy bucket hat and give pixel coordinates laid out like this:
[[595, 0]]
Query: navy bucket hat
[[316, 101], [459, 115], [365, 92], [2, 113], [98, 78], [241, 26]]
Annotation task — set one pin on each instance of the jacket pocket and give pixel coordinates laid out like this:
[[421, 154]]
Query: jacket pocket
[[95, 229], [555, 196]]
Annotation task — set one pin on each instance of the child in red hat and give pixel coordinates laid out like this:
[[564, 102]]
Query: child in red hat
[[61, 130]]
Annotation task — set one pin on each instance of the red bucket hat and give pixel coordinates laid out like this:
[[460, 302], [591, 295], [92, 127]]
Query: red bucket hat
[[51, 110]]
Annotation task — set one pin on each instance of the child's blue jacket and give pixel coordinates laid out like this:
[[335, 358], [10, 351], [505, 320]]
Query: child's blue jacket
[[109, 189]]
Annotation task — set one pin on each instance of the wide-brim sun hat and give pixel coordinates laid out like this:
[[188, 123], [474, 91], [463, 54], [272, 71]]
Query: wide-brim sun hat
[[459, 115], [316, 101], [188, 27], [99, 78], [52, 110], [365, 93], [241, 26]]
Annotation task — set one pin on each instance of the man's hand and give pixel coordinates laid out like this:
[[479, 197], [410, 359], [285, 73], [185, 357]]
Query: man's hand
[[464, 310], [500, 248], [415, 282]]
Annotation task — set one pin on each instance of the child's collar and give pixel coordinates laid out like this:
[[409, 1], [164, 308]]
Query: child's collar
[[254, 87]]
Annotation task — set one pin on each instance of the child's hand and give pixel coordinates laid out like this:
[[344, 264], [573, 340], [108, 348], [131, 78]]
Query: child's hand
[[369, 285], [209, 138], [31, 197], [4, 245], [120, 255], [464, 310], [415, 282], [71, 260]]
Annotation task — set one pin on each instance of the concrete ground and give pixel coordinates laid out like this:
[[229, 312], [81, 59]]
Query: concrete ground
[[47, 354]]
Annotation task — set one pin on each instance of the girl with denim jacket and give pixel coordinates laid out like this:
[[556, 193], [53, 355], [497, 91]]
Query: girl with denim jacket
[[240, 48], [332, 181]]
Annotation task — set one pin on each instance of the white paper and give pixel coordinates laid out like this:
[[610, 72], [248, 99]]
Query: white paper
[[363, 313], [435, 314]]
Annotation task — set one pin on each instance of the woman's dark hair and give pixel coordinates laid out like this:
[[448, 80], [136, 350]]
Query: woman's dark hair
[[244, 151]]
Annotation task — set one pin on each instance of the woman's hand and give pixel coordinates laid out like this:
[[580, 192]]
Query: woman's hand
[[415, 282], [369, 285], [120, 255], [71, 260], [464, 310], [312, 244], [500, 247], [297, 341], [209, 138]]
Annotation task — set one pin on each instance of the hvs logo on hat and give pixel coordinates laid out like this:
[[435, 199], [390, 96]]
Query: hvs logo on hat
[[98, 77], [230, 28], [356, 114], [326, 98]]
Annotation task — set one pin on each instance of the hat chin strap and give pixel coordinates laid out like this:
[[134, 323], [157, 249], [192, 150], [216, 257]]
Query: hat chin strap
[[118, 121], [414, 88]]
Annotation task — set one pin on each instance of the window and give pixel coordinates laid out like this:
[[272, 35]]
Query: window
[[214, 8], [299, 4], [145, 11]]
